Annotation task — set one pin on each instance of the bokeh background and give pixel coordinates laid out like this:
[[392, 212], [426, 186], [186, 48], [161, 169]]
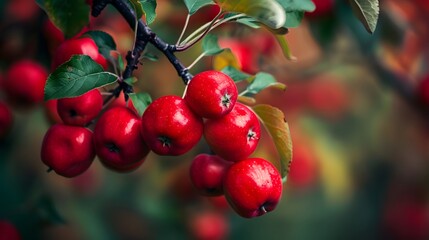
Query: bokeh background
[[359, 125]]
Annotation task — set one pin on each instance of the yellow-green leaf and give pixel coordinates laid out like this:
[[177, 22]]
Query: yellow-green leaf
[[278, 128], [285, 47], [269, 12], [246, 100]]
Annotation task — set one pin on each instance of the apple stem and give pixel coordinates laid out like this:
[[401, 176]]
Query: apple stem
[[263, 209], [144, 35], [49, 170]]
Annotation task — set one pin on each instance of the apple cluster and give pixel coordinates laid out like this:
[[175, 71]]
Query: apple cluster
[[170, 125]]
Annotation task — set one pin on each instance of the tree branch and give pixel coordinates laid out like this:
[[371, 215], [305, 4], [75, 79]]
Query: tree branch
[[144, 35]]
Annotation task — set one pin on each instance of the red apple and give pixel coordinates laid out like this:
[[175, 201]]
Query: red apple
[[54, 36], [323, 8], [8, 231], [51, 111], [169, 127], [24, 83], [234, 136], [75, 46], [68, 150], [243, 52], [303, 170], [211, 94], [207, 173], [253, 187], [118, 140], [209, 225], [22, 10], [81, 110]]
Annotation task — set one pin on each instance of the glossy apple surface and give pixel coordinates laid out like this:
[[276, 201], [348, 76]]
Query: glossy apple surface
[[253, 187], [169, 126], [68, 150], [74, 46], [118, 140], [211, 94], [234, 136], [81, 110]]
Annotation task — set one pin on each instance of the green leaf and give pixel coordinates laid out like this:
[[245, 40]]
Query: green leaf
[[121, 63], [75, 77], [130, 81], [367, 11], [104, 41], [150, 56], [70, 16], [194, 5], [274, 121], [294, 19], [250, 22], [138, 8], [211, 46], [295, 11], [149, 9], [285, 47], [268, 12], [259, 82], [235, 74], [140, 101]]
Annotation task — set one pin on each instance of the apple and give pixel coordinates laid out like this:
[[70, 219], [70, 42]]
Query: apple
[[68, 150], [253, 187], [24, 83], [207, 173], [118, 140]]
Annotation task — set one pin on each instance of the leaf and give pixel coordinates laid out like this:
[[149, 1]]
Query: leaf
[[253, 23], [130, 81], [194, 5], [249, 21], [279, 86], [104, 41], [211, 46], [269, 12], [224, 59], [294, 19], [149, 9], [259, 82], [140, 101], [235, 74], [121, 63], [151, 57], [285, 47], [138, 8], [246, 100], [70, 16], [75, 77], [278, 128], [295, 11], [367, 11]]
